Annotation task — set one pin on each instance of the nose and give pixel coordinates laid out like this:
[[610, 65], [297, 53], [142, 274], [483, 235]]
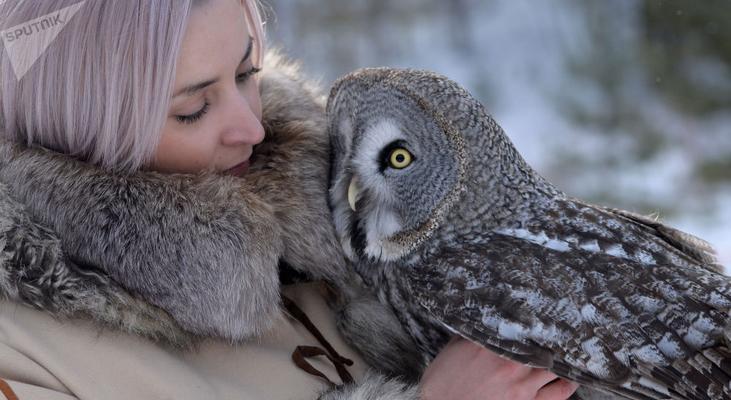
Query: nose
[[244, 126]]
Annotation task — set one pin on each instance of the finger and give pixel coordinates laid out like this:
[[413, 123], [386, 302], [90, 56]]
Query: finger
[[539, 377], [561, 389]]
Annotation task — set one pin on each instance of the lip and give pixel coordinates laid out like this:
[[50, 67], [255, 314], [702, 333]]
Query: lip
[[238, 169]]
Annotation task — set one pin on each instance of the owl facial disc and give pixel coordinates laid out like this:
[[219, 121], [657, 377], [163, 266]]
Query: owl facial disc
[[353, 193], [394, 167]]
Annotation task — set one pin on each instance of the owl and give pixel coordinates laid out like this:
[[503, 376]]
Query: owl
[[445, 220]]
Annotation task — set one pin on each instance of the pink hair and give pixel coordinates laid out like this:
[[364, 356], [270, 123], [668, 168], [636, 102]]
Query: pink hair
[[101, 89]]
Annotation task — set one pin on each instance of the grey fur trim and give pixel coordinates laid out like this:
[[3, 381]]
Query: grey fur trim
[[185, 244], [291, 169], [204, 248], [34, 271], [374, 387]]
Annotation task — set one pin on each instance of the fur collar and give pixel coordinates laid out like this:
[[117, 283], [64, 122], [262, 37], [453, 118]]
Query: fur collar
[[173, 257]]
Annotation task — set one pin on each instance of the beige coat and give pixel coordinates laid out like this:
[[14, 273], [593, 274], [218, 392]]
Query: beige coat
[[42, 358]]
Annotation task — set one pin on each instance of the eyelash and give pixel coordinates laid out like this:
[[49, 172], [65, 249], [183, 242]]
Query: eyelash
[[189, 119], [243, 77], [192, 118]]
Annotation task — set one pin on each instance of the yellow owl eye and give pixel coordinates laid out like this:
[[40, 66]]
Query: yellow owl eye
[[400, 158]]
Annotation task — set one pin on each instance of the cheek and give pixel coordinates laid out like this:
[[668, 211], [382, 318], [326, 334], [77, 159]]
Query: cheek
[[253, 98], [184, 151]]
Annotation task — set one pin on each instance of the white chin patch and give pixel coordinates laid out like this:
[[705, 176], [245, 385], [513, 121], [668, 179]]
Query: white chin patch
[[380, 225]]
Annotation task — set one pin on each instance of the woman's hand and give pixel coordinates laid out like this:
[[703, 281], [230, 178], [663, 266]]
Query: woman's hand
[[466, 371]]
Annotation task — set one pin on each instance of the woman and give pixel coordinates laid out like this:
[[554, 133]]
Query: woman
[[140, 256]]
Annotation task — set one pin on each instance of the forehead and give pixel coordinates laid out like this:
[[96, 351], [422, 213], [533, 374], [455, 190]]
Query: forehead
[[215, 40], [370, 106]]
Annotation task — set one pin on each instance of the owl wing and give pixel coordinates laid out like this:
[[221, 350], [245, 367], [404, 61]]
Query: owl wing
[[604, 322], [692, 246]]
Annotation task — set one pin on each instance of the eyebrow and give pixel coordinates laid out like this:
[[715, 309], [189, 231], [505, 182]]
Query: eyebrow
[[196, 87]]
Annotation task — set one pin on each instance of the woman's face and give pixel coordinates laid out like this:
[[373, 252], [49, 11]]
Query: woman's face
[[215, 114]]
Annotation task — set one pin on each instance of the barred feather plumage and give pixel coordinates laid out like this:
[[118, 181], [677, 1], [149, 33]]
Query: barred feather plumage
[[467, 239]]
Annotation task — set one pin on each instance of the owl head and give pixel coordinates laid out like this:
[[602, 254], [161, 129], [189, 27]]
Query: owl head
[[397, 163]]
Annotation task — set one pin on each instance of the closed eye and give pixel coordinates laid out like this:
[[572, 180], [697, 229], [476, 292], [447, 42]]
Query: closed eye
[[244, 76], [193, 118]]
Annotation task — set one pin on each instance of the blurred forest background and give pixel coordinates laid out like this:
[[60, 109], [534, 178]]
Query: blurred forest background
[[624, 103]]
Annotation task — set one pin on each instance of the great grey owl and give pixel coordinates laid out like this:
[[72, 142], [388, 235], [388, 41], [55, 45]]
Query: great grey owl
[[442, 216]]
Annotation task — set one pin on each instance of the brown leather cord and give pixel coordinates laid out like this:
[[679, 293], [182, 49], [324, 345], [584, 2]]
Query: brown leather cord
[[299, 357], [300, 316], [301, 353], [7, 391]]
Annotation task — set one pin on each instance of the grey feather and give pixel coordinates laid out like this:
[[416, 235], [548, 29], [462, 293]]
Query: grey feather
[[467, 239], [371, 327], [689, 244]]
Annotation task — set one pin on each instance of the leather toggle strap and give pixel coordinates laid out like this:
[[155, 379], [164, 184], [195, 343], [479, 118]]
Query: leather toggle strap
[[301, 353], [7, 391]]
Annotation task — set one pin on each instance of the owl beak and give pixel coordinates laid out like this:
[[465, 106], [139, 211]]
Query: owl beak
[[352, 193]]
